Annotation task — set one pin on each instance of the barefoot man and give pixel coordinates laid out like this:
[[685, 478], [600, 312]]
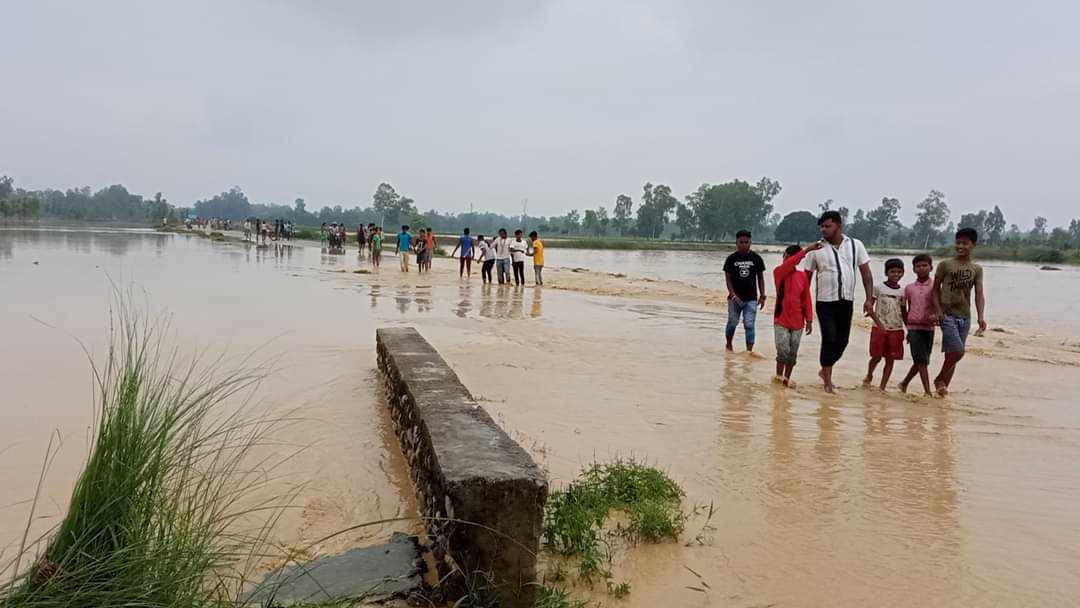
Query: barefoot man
[[837, 265]]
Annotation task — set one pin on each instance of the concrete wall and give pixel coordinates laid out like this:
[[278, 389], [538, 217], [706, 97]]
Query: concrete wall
[[463, 467]]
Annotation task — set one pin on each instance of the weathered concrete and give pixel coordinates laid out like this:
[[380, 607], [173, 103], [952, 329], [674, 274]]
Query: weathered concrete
[[464, 468], [371, 574]]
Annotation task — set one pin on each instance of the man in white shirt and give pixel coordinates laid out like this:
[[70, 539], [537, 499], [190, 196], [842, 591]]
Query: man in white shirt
[[502, 256], [837, 266]]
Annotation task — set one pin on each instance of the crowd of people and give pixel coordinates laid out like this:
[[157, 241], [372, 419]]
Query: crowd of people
[[900, 314], [263, 231], [502, 254], [206, 223]]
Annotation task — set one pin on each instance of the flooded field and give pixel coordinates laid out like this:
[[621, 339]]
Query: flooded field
[[857, 499]]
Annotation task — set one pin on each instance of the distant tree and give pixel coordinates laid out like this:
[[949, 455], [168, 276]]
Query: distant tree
[[572, 221], [392, 208], [603, 218], [767, 189], [1038, 233], [623, 216], [974, 220], [828, 205], [686, 221], [591, 223], [798, 227], [1074, 233], [724, 209], [657, 203], [933, 214], [873, 226], [7, 186], [994, 226], [232, 204]]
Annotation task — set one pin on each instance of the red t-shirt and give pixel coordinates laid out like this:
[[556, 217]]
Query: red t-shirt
[[796, 307]]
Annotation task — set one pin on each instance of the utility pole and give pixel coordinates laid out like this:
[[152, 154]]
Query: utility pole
[[524, 211]]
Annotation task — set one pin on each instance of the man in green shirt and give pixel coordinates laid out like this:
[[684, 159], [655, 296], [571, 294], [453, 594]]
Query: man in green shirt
[[953, 282]]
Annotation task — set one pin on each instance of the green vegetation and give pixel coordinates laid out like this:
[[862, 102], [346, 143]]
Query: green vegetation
[[153, 518], [575, 517], [556, 597]]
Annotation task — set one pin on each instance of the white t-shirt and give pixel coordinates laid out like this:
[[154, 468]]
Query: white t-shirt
[[887, 306], [518, 249], [836, 269], [502, 248], [485, 249]]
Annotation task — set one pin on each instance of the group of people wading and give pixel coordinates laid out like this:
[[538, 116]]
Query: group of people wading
[[262, 231], [501, 254], [838, 262]]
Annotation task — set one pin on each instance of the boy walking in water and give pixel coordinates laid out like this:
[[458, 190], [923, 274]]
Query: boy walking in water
[[376, 247], [518, 249], [465, 243], [744, 273], [920, 320], [404, 244], [887, 336], [794, 312], [537, 253], [953, 283]]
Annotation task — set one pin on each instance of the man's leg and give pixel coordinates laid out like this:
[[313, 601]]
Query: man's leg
[[733, 312], [749, 318], [886, 372], [869, 379], [828, 356], [914, 371]]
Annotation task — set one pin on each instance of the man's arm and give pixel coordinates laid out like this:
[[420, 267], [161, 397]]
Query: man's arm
[[730, 289], [868, 286], [761, 290], [980, 304]]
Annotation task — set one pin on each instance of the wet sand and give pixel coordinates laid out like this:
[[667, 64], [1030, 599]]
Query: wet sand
[[857, 499]]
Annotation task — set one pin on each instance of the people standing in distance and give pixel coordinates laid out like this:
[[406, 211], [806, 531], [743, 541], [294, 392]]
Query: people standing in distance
[[518, 249], [744, 274], [375, 242], [953, 282], [404, 245], [465, 244], [794, 312], [536, 250], [837, 266], [486, 258], [502, 257]]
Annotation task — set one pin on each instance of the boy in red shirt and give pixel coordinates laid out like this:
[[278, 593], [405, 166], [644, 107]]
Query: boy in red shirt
[[794, 312]]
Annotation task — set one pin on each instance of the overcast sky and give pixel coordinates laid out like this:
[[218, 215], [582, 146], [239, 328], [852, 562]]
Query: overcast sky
[[566, 103]]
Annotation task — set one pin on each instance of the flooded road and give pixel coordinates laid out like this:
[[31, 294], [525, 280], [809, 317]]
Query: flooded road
[[857, 499]]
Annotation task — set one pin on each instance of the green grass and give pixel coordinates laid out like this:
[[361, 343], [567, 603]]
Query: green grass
[[556, 597], [574, 517], [155, 517], [1034, 255]]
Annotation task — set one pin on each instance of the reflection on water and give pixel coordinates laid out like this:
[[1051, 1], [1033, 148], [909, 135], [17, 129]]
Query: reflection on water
[[863, 499]]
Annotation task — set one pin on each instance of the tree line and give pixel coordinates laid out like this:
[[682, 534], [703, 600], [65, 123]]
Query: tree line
[[713, 212]]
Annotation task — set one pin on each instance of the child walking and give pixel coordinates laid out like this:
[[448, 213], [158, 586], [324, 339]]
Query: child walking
[[794, 312], [953, 282], [887, 336], [376, 247], [920, 318]]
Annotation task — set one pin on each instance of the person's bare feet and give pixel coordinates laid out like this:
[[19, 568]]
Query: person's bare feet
[[942, 390], [902, 386], [829, 388], [729, 348], [790, 384], [867, 381]]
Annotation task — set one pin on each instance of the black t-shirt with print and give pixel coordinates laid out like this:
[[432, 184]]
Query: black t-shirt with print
[[744, 268]]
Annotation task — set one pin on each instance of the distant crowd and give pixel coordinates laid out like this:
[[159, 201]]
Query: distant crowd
[[900, 314]]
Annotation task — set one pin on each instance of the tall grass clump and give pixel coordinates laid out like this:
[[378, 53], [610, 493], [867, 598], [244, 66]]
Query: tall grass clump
[[154, 518], [574, 517]]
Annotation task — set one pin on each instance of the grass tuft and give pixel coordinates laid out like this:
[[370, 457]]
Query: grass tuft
[[154, 517]]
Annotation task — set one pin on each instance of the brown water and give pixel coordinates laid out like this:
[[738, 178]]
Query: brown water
[[859, 499]]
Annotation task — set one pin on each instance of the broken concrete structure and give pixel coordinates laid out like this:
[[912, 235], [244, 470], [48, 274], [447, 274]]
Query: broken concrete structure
[[482, 492]]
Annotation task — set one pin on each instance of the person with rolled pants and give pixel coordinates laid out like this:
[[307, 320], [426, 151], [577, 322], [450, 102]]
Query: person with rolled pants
[[837, 266], [404, 242], [502, 256]]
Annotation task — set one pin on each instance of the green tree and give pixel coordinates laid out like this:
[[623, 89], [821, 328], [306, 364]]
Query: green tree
[[1074, 233], [686, 220], [829, 204], [7, 186], [232, 204], [392, 208], [874, 225], [657, 203], [767, 189], [994, 226], [933, 213], [798, 227], [974, 220], [623, 216], [591, 223], [1038, 233], [724, 209], [572, 221]]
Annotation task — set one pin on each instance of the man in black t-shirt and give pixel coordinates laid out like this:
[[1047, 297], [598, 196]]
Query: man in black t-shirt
[[744, 272]]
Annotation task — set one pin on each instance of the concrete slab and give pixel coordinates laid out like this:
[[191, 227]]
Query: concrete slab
[[373, 574]]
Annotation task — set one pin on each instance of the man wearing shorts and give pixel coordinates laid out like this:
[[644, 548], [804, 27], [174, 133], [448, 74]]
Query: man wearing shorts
[[953, 282], [465, 244]]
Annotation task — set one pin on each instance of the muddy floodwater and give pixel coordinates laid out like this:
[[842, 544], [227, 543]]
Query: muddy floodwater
[[858, 499]]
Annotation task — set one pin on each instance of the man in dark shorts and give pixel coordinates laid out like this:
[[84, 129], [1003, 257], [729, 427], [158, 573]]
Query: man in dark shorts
[[744, 273]]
